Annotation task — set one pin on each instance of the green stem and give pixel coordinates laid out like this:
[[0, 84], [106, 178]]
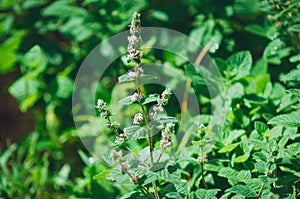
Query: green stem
[[160, 155]]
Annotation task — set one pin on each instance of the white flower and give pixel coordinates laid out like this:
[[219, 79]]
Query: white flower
[[138, 118], [134, 54], [133, 39]]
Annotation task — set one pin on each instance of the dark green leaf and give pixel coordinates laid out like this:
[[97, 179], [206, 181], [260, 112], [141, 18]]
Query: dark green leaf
[[206, 194], [135, 132], [244, 191], [239, 64]]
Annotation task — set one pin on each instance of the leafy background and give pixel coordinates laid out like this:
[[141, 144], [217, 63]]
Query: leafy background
[[256, 47]]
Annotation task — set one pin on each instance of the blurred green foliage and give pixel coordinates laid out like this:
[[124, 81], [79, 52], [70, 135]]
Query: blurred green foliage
[[256, 47]]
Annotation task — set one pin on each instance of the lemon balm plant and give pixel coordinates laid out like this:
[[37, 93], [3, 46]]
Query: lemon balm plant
[[144, 124]]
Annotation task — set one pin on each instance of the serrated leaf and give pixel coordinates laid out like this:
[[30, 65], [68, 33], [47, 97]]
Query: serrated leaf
[[260, 127], [261, 166], [167, 119], [128, 100], [135, 132], [150, 177], [293, 75], [181, 187], [174, 195], [243, 190], [294, 91], [230, 174], [239, 64], [132, 194], [102, 175], [291, 119], [207, 194], [151, 98]]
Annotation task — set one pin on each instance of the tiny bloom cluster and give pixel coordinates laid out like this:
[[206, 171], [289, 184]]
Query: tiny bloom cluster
[[136, 96], [138, 118], [166, 135], [116, 155], [124, 167], [137, 72], [202, 158], [165, 96], [135, 38], [120, 139], [162, 101], [102, 107], [112, 125]]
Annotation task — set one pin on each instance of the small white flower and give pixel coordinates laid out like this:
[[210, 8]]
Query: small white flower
[[124, 167], [133, 39], [165, 143], [138, 118], [134, 54]]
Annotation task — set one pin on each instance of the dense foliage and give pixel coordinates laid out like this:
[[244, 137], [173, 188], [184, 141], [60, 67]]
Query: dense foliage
[[256, 46]]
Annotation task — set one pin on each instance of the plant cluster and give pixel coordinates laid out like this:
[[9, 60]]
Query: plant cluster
[[255, 44]]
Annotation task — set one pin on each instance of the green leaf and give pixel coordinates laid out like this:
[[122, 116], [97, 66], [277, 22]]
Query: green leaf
[[8, 51], [133, 194], [228, 148], [181, 187], [167, 119], [260, 127], [64, 86], [125, 78], [76, 30], [295, 58], [150, 177], [230, 174], [128, 100], [26, 91], [261, 166], [291, 119], [294, 91], [62, 9], [242, 158], [151, 98], [239, 65], [4, 157], [263, 31], [275, 51], [244, 191], [294, 28], [158, 15], [102, 175], [174, 195], [293, 75], [35, 60], [135, 132], [207, 194]]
